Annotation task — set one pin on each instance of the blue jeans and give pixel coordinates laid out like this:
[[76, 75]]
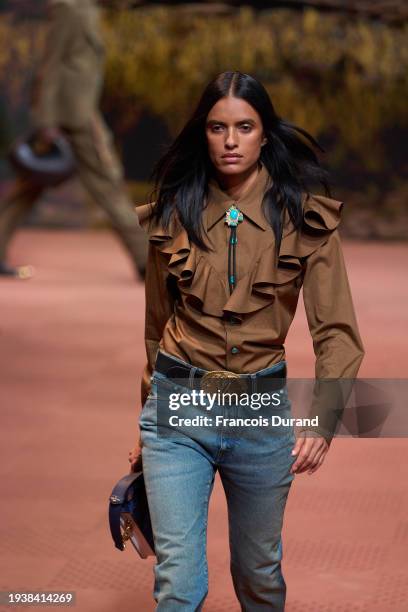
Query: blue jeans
[[179, 476]]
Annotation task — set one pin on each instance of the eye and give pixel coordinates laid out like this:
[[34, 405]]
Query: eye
[[216, 127], [246, 127]]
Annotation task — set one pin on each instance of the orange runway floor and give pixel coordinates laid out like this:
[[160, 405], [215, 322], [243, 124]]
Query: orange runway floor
[[71, 356]]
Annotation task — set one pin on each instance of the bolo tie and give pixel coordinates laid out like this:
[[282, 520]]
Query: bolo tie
[[233, 217]]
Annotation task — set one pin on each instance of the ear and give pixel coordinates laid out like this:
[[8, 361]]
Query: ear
[[264, 141]]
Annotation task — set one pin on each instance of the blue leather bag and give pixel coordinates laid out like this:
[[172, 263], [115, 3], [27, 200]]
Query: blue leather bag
[[129, 517]]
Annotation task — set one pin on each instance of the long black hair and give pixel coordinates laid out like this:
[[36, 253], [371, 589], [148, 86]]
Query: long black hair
[[181, 175]]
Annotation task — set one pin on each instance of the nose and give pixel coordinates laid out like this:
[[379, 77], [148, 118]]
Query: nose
[[231, 140]]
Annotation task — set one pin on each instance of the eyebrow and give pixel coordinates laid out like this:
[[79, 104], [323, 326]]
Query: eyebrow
[[212, 121]]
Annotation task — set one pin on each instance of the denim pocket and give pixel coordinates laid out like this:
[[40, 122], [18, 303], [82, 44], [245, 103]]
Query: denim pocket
[[158, 398], [150, 406], [166, 385]]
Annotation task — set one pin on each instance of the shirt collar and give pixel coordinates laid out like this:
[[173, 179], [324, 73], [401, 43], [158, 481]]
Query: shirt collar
[[250, 203]]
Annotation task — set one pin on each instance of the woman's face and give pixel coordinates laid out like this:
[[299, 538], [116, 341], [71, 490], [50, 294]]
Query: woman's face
[[235, 135]]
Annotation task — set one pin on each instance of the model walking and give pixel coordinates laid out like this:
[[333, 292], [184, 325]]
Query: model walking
[[234, 234]]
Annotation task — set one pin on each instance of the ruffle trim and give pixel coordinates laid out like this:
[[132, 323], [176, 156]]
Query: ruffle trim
[[201, 283]]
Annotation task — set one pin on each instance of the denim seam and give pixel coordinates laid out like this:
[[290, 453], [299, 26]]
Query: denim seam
[[206, 505]]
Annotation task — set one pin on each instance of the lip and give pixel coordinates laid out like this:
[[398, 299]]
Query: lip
[[231, 159], [231, 156]]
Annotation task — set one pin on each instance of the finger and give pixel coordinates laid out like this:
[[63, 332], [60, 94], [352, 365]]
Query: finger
[[295, 452], [317, 447], [316, 467], [302, 455], [319, 462], [314, 454], [298, 445], [307, 458]]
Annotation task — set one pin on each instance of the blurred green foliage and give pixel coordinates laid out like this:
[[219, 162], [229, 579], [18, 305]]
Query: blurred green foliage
[[324, 72], [343, 80]]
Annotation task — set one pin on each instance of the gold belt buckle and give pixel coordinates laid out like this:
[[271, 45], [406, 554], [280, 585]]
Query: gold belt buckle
[[223, 381]]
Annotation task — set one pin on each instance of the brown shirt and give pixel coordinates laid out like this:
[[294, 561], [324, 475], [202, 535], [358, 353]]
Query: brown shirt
[[245, 331]]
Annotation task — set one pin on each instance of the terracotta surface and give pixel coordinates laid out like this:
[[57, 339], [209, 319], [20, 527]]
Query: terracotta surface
[[71, 355]]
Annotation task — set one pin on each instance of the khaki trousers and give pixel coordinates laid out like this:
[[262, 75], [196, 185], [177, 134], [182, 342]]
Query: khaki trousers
[[101, 174]]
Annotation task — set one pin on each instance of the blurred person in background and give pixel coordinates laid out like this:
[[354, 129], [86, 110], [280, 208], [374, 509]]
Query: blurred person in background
[[65, 101]]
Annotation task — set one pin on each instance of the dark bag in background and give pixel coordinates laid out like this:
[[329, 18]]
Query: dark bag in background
[[129, 517], [52, 166]]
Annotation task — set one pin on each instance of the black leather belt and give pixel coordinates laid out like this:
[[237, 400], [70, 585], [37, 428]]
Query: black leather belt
[[220, 380]]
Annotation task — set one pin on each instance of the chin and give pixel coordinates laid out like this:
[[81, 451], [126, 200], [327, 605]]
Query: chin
[[237, 168]]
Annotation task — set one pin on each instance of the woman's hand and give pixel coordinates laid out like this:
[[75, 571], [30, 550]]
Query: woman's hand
[[135, 459], [310, 452], [49, 134]]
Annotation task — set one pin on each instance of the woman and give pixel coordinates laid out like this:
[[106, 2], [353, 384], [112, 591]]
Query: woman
[[233, 235]]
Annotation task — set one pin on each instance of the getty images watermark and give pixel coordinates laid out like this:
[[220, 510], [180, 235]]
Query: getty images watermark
[[277, 403], [366, 407]]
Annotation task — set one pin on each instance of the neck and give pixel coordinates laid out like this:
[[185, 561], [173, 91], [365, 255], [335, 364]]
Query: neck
[[237, 185]]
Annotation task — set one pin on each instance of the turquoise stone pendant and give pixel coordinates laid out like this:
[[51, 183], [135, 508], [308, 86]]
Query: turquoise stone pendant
[[233, 216]]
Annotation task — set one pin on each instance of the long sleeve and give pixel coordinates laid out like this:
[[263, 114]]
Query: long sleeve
[[159, 308], [61, 28], [333, 326]]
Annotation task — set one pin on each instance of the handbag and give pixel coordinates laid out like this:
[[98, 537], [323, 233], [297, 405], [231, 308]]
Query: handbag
[[129, 517], [48, 169]]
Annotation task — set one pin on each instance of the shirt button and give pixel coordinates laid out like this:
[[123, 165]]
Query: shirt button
[[234, 350]]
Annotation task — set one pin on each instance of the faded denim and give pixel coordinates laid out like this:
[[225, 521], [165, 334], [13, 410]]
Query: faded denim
[[179, 476]]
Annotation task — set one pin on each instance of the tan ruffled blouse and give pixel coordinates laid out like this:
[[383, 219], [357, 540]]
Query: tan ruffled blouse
[[245, 331]]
